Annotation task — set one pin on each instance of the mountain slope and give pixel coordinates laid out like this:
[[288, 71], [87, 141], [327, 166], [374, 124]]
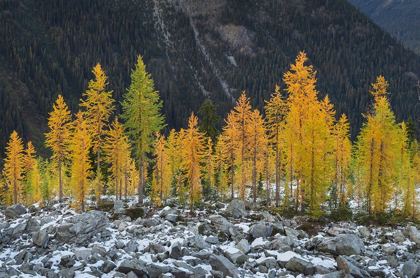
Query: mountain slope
[[401, 18], [192, 49]]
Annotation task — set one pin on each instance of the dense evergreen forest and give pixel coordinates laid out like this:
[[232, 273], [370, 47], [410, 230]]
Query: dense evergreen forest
[[399, 18], [192, 50]]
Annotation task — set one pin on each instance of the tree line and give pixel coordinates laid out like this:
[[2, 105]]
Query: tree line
[[295, 154]]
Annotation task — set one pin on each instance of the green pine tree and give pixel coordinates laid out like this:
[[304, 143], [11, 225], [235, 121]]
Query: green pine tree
[[209, 119], [141, 112]]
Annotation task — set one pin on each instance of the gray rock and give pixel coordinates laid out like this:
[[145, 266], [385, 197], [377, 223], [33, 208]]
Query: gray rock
[[392, 261], [342, 245], [176, 251], [389, 249], [119, 207], [182, 273], [335, 274], [82, 228], [350, 268], [364, 232], [236, 256], [202, 254], [243, 245], [201, 243], [132, 274], [376, 273], [150, 222], [263, 269], [268, 217], [157, 248], [413, 234], [260, 230], [291, 232], [398, 237], [155, 270], [335, 231], [135, 266], [108, 266], [32, 225], [131, 246], [67, 261], [166, 211], [172, 218], [20, 257], [212, 240], [18, 230], [40, 238], [99, 250], [14, 211], [410, 269], [282, 241], [220, 263], [301, 266], [220, 223], [236, 209], [82, 253], [270, 263], [67, 273]]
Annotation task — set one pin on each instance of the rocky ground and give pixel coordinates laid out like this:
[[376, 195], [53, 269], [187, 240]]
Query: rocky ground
[[220, 240]]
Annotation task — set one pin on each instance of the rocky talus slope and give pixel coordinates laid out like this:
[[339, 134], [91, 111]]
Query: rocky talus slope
[[220, 240]]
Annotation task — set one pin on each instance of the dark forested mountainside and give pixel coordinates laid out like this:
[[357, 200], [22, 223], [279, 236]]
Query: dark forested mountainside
[[401, 18], [193, 49]]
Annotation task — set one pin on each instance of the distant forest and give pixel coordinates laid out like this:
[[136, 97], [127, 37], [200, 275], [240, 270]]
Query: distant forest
[[49, 47]]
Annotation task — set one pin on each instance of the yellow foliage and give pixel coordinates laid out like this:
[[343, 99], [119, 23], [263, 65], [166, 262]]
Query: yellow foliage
[[99, 106], [13, 168], [80, 144], [192, 153], [162, 171], [58, 137]]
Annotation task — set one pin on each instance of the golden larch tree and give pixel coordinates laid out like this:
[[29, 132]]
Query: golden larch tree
[[192, 150], [221, 165], [276, 110], [57, 138], [116, 148], [32, 177], [378, 146], [80, 144], [209, 162], [257, 146], [162, 169], [230, 137], [13, 166], [241, 114], [98, 104], [342, 159]]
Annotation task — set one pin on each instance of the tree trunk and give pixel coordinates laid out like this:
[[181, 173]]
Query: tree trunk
[[232, 173], [141, 176], [125, 182], [60, 181], [277, 177], [98, 186], [254, 172]]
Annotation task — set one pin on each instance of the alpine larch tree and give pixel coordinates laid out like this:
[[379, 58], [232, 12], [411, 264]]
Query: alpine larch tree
[[80, 145], [276, 111], [98, 105], [192, 154], [58, 137], [13, 167]]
